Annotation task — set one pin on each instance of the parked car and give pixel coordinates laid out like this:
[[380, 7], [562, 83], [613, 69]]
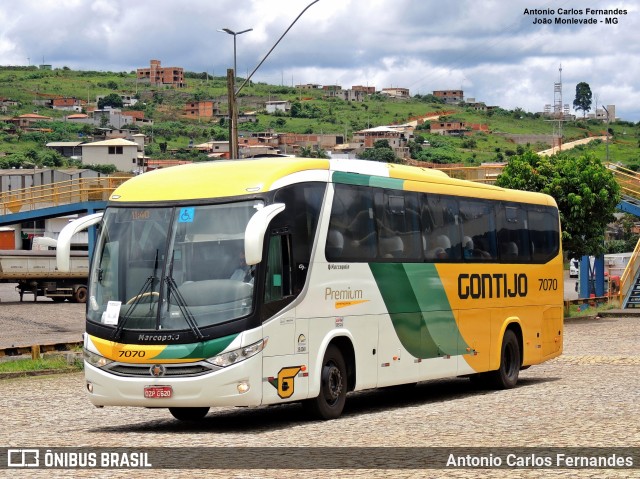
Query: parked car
[[574, 268]]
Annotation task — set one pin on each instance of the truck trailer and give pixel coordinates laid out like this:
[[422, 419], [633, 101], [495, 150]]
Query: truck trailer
[[36, 273]]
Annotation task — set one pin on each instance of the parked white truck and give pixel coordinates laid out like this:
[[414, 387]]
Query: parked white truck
[[36, 273]]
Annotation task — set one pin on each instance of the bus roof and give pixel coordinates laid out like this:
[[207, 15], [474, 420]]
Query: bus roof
[[227, 178]]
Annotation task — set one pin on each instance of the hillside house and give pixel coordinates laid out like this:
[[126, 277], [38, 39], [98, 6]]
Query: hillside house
[[347, 95], [277, 105], [201, 109], [127, 99], [292, 142], [122, 153], [369, 90], [27, 121], [397, 137], [309, 86], [161, 76], [450, 96], [395, 92], [68, 149], [448, 128], [68, 104]]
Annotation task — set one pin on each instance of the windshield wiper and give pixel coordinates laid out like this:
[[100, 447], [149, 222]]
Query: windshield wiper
[[148, 284], [172, 287]]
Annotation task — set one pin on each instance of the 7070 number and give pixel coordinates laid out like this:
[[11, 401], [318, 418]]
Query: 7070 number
[[548, 284], [132, 354]]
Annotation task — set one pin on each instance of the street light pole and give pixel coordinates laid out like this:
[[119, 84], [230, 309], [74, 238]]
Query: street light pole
[[232, 92], [235, 34]]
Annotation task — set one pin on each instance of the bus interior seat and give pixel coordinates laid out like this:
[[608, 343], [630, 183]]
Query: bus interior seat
[[440, 247], [509, 251], [335, 243], [215, 292], [391, 247]]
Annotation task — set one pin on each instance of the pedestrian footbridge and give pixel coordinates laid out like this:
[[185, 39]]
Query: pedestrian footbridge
[[84, 195]]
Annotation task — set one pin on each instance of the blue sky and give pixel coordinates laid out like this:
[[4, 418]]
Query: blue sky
[[489, 48]]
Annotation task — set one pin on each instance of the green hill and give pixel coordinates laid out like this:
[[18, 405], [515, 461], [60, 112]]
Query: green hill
[[313, 114]]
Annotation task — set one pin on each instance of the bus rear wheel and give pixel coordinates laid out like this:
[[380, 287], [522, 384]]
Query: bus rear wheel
[[333, 386], [506, 376], [188, 413]]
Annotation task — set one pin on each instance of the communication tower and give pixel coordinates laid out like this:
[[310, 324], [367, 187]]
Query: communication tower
[[560, 112]]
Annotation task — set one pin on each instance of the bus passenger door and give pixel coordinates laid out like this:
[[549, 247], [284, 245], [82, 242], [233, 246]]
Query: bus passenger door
[[284, 367]]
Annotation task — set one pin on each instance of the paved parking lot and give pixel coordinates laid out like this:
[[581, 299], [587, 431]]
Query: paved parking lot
[[42, 322]]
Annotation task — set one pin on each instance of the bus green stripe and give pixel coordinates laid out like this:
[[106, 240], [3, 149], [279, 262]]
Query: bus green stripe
[[367, 180], [203, 350], [420, 311]]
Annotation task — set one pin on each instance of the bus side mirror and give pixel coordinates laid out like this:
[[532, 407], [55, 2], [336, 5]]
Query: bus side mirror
[[63, 250], [255, 231]]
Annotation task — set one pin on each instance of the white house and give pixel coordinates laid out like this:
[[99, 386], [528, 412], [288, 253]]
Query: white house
[[119, 152], [277, 105]]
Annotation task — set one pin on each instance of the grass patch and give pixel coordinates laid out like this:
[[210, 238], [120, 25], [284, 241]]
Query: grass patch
[[26, 365], [589, 309]]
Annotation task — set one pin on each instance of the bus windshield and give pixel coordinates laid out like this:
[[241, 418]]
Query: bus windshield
[[172, 268]]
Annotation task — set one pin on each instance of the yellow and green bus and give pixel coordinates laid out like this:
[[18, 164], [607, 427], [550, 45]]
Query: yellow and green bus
[[265, 281]]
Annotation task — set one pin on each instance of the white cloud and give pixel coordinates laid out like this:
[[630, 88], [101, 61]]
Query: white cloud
[[490, 48]]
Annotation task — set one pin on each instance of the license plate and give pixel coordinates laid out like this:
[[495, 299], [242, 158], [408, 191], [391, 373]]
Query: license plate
[[156, 392]]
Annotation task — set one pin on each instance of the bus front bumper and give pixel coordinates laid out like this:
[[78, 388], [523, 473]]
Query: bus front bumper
[[237, 385]]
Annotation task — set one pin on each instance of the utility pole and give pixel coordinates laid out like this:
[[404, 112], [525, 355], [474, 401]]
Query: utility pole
[[232, 92], [607, 131], [233, 115]]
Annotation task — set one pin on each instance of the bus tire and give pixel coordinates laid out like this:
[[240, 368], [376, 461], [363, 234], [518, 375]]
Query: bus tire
[[333, 386], [80, 295], [189, 413], [506, 376]]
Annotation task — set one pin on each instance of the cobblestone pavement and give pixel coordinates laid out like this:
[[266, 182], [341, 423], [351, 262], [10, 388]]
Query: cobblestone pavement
[[40, 322], [586, 398]]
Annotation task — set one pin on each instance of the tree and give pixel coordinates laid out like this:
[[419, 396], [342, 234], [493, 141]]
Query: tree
[[584, 189], [310, 152], [583, 98], [112, 99], [381, 151]]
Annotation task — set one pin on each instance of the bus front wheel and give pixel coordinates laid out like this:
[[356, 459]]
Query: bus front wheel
[[188, 413], [333, 386]]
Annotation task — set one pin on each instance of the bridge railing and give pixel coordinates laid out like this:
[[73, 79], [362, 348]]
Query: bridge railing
[[628, 180], [628, 276], [479, 174], [59, 193]]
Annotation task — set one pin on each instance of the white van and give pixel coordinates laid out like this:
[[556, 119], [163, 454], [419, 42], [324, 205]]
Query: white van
[[574, 268]]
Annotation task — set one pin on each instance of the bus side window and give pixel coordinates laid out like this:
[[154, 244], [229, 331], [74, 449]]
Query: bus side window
[[513, 237], [352, 213], [278, 281], [440, 221], [544, 233], [478, 225]]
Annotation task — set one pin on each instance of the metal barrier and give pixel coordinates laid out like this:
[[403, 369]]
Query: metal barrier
[[629, 274], [63, 192]]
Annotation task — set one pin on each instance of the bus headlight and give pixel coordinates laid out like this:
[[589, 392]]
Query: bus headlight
[[237, 355], [95, 359]]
